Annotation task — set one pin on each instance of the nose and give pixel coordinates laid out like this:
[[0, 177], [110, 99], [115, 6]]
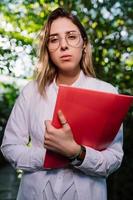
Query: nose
[[63, 44]]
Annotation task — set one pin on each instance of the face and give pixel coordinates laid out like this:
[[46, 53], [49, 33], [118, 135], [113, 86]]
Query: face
[[65, 45]]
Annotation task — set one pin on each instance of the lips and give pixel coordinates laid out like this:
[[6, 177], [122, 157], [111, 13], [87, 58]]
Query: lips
[[66, 57]]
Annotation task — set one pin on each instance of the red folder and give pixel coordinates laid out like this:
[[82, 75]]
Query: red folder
[[94, 117]]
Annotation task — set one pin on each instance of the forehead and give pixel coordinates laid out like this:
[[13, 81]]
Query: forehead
[[62, 25]]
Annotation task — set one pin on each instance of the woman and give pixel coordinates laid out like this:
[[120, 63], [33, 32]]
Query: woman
[[64, 58]]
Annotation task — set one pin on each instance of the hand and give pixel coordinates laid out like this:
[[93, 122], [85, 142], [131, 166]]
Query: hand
[[60, 140]]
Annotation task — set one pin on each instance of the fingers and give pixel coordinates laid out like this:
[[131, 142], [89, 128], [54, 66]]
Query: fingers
[[49, 127], [62, 119], [48, 132], [47, 123]]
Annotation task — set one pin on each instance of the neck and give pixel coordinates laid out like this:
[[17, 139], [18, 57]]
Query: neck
[[67, 78]]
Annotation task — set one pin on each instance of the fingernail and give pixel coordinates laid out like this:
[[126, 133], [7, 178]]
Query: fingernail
[[59, 111]]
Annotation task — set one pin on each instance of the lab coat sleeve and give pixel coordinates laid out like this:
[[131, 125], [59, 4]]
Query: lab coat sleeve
[[103, 163], [15, 146]]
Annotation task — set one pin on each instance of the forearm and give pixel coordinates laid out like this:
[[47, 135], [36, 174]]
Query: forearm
[[103, 163], [24, 157], [98, 163]]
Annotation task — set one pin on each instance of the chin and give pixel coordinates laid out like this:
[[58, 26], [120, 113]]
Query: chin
[[68, 67]]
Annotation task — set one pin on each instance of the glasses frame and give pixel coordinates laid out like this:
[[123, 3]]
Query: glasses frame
[[66, 39]]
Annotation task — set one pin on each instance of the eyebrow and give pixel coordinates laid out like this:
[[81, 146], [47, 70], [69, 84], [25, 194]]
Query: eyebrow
[[54, 34]]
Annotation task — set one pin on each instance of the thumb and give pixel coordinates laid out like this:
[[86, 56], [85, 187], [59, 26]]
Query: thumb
[[62, 119]]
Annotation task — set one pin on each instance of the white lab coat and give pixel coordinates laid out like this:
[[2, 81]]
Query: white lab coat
[[27, 120]]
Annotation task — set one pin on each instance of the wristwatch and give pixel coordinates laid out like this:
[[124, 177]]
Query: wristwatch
[[78, 159]]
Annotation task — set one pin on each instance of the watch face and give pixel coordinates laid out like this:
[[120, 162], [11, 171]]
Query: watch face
[[79, 158], [76, 162]]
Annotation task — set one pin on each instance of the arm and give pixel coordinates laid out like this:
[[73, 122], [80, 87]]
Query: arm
[[103, 163], [16, 138]]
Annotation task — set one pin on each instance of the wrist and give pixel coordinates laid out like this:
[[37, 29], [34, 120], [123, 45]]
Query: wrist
[[79, 157], [75, 150]]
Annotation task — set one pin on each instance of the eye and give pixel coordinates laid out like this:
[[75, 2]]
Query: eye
[[53, 39], [72, 36]]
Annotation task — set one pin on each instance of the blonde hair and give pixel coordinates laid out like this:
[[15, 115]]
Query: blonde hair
[[46, 70]]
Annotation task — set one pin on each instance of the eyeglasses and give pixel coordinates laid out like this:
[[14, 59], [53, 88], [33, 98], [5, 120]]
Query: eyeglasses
[[71, 38]]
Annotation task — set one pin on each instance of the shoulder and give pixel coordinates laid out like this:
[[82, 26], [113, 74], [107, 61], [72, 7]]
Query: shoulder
[[97, 84], [29, 87], [29, 90]]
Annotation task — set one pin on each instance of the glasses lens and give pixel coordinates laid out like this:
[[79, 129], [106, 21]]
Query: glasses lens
[[73, 39], [53, 43]]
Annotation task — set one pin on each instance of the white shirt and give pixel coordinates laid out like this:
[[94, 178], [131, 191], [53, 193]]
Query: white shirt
[[85, 182]]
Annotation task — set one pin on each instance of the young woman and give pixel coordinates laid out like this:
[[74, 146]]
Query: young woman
[[64, 58]]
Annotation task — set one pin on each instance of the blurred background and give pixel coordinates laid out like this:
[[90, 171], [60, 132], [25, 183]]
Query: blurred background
[[109, 26]]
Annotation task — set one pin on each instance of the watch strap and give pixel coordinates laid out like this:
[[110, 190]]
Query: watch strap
[[78, 159]]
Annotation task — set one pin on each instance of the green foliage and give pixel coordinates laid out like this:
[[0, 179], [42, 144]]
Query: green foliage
[[108, 24]]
